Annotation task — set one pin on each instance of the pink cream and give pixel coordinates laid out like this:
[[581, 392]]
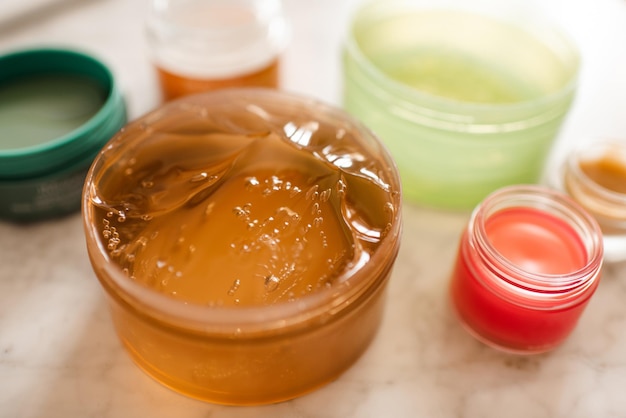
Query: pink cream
[[536, 241]]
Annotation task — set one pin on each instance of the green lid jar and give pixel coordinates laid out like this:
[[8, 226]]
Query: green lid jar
[[57, 109]]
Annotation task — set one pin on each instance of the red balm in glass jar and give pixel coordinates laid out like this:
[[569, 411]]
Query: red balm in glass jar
[[527, 265]]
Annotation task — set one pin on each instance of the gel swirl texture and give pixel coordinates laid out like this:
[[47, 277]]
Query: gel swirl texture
[[231, 200]]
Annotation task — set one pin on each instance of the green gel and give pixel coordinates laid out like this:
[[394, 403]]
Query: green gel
[[37, 109], [457, 76]]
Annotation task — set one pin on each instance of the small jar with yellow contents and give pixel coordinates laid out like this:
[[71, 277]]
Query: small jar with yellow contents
[[595, 176]]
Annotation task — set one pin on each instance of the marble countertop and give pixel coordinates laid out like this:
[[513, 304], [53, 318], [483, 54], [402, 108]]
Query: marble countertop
[[59, 355]]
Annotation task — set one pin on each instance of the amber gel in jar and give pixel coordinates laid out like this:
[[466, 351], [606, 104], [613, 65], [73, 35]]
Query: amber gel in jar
[[528, 262], [244, 239], [203, 45], [595, 176]]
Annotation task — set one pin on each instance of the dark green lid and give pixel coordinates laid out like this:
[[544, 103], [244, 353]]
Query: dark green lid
[[57, 110]]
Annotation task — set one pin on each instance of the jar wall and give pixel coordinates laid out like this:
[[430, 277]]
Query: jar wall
[[446, 169], [506, 326], [174, 85], [239, 370]]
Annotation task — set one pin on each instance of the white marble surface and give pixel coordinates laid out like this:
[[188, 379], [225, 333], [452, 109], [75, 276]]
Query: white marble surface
[[59, 356]]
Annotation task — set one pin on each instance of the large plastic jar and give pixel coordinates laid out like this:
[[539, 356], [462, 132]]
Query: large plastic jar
[[244, 239], [468, 96]]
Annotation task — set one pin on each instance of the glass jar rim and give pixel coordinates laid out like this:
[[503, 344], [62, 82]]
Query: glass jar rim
[[321, 305], [540, 285], [414, 103]]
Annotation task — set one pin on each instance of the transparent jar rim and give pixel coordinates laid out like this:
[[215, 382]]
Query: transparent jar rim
[[411, 95], [543, 286], [252, 320]]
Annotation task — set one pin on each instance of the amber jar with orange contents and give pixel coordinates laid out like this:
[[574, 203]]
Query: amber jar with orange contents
[[244, 239], [203, 45]]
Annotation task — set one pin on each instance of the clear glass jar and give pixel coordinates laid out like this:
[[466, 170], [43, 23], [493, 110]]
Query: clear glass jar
[[527, 265], [203, 45], [244, 239], [595, 176], [462, 115]]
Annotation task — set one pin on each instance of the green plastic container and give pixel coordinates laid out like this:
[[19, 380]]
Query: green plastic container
[[57, 109], [467, 100]]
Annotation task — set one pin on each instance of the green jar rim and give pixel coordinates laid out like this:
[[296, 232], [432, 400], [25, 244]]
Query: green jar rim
[[80, 143], [447, 113]]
